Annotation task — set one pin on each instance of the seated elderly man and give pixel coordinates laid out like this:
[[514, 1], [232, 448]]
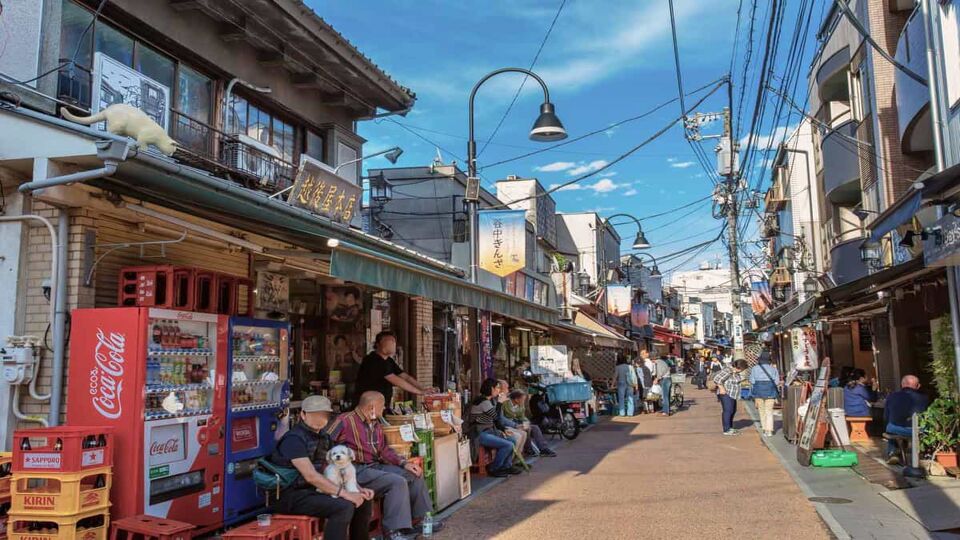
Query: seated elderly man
[[899, 409], [513, 430], [400, 483], [304, 448], [514, 410]]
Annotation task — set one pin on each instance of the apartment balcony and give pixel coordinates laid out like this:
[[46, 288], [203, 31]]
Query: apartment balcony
[[841, 164], [913, 98], [845, 262]]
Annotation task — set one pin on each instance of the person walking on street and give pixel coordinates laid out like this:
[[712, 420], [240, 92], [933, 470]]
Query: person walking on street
[[728, 382], [626, 380], [661, 376], [764, 381], [701, 373]]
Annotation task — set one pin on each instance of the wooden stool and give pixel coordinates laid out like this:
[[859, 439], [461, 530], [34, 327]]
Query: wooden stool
[[277, 530], [304, 527], [858, 428], [903, 446], [484, 458], [150, 527]]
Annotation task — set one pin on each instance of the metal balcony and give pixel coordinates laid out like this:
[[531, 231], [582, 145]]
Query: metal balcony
[[841, 164], [913, 98], [845, 262]]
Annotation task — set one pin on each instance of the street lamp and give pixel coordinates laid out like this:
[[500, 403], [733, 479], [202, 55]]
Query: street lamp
[[655, 271], [639, 241], [547, 128], [392, 155]]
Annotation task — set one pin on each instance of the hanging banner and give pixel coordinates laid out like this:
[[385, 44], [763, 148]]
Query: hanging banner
[[619, 298], [760, 296], [503, 242], [803, 343], [639, 315], [688, 327], [486, 345]]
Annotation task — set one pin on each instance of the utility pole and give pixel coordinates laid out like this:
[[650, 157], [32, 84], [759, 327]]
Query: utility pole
[[727, 162]]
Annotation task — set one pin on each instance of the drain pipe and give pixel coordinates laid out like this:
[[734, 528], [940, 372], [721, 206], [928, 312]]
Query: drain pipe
[[109, 167], [60, 320]]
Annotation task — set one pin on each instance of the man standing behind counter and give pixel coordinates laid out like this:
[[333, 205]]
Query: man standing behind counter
[[380, 372]]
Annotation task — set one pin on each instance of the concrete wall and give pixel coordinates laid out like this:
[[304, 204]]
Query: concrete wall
[[805, 198]]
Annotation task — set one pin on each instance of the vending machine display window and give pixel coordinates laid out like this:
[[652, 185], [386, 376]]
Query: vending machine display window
[[181, 368], [257, 378]]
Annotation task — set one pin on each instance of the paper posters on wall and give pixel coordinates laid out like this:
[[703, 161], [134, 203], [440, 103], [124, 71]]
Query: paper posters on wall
[[803, 343], [619, 299], [550, 360], [502, 240]]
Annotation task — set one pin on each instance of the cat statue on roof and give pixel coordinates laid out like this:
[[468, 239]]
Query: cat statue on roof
[[129, 121]]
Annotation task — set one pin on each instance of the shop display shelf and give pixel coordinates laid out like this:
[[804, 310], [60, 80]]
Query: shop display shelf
[[179, 352], [61, 494], [93, 525], [257, 406], [62, 449], [163, 415], [255, 358], [166, 388], [256, 383]]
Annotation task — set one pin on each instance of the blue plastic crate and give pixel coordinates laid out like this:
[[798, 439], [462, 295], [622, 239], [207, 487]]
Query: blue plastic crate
[[569, 392]]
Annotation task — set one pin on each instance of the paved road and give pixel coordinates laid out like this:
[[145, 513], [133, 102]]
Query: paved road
[[648, 477]]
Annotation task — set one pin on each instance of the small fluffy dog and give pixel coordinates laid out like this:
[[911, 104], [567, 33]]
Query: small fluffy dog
[[340, 469]]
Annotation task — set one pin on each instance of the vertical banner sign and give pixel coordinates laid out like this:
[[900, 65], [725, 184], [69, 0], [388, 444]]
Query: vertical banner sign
[[639, 315], [688, 327], [760, 296], [619, 299], [486, 346], [803, 342], [503, 242]]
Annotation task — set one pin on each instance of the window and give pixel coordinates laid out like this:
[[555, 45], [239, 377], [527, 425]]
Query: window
[[155, 65], [261, 125], [346, 154], [74, 20], [111, 42], [194, 94], [313, 146]]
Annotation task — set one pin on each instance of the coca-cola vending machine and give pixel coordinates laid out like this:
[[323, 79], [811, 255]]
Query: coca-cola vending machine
[[156, 376], [258, 392]]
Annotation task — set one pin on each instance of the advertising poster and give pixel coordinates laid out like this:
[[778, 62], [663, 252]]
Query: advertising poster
[[619, 299], [803, 342], [639, 315], [760, 296], [550, 360], [502, 239], [486, 346], [688, 327]]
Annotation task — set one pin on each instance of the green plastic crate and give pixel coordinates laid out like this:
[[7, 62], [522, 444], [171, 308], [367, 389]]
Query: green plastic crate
[[834, 458]]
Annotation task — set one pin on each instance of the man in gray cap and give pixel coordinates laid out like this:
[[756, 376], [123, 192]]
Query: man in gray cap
[[304, 448]]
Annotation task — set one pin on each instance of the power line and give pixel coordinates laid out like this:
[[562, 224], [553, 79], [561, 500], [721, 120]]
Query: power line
[[525, 77], [858, 26]]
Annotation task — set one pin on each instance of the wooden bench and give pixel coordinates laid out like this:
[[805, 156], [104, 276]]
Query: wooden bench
[[858, 428]]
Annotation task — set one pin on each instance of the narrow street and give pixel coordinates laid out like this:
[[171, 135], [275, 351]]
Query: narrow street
[[649, 477]]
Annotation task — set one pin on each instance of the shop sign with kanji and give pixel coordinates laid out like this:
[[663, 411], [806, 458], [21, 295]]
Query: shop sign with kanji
[[317, 189], [503, 242]]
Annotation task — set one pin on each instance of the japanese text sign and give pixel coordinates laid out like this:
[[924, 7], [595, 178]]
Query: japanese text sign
[[551, 360], [322, 192], [502, 240]]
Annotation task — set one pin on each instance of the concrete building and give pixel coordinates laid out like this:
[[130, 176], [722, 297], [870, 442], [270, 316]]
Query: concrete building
[[593, 244]]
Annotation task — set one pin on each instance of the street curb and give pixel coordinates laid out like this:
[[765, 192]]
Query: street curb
[[822, 509]]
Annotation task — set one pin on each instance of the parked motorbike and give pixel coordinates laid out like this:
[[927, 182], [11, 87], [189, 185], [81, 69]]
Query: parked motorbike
[[560, 418]]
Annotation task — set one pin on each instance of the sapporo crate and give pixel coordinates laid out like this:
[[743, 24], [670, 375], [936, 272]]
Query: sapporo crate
[[68, 449], [93, 525], [61, 494]]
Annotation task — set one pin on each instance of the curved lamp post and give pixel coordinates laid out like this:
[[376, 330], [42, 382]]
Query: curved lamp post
[[640, 241], [547, 128], [655, 271]]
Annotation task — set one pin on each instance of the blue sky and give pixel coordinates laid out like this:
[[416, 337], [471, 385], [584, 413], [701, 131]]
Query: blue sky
[[604, 61]]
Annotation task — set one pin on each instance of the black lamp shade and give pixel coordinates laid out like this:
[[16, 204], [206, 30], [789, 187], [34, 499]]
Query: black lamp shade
[[393, 155], [548, 127], [640, 242], [655, 272]]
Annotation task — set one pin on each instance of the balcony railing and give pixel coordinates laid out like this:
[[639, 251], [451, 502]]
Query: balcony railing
[[913, 98], [841, 164], [845, 262]]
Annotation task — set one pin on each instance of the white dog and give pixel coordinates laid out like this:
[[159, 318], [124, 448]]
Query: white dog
[[340, 469]]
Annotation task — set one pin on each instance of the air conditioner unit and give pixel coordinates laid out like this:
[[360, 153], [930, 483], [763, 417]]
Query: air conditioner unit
[[251, 156], [115, 83]]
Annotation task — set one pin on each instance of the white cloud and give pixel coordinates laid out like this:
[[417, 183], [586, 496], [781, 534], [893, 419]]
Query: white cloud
[[630, 192], [556, 166], [681, 164], [603, 185], [571, 187], [585, 168], [772, 139], [671, 160]]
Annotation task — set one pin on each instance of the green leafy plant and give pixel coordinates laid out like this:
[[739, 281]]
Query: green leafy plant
[[943, 366], [940, 426]]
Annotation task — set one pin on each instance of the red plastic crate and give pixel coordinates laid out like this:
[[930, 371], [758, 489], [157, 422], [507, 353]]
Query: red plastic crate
[[161, 286], [36, 450], [205, 291], [305, 527], [277, 530]]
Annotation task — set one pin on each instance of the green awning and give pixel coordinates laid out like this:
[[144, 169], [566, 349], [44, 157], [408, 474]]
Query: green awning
[[361, 265]]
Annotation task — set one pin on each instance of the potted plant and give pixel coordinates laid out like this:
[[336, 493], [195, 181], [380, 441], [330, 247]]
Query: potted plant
[[940, 430]]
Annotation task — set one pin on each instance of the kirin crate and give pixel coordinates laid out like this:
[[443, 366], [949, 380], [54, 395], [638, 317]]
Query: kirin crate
[[65, 449], [61, 494], [93, 525]]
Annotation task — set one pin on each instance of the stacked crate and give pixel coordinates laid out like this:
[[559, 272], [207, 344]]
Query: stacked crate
[[60, 487], [424, 450]]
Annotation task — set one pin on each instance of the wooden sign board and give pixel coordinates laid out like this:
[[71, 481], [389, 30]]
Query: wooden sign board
[[815, 421]]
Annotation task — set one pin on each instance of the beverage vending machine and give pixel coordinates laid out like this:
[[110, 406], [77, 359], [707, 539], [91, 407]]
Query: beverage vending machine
[[156, 377], [258, 393]]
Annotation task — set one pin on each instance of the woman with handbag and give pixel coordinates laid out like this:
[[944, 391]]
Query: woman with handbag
[[764, 383]]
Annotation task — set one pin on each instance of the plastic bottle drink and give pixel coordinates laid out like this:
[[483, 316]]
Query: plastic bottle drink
[[427, 525]]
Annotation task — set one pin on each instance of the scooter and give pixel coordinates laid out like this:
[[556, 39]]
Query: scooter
[[553, 418]]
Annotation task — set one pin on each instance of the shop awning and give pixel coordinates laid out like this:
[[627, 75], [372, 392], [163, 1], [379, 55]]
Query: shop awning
[[376, 269], [895, 215], [798, 313], [664, 334], [601, 333], [859, 299]]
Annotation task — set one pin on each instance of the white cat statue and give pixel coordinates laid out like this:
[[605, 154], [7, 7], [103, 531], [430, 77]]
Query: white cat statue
[[127, 120]]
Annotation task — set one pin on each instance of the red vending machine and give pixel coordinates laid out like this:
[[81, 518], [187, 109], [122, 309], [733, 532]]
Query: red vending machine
[[156, 376]]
